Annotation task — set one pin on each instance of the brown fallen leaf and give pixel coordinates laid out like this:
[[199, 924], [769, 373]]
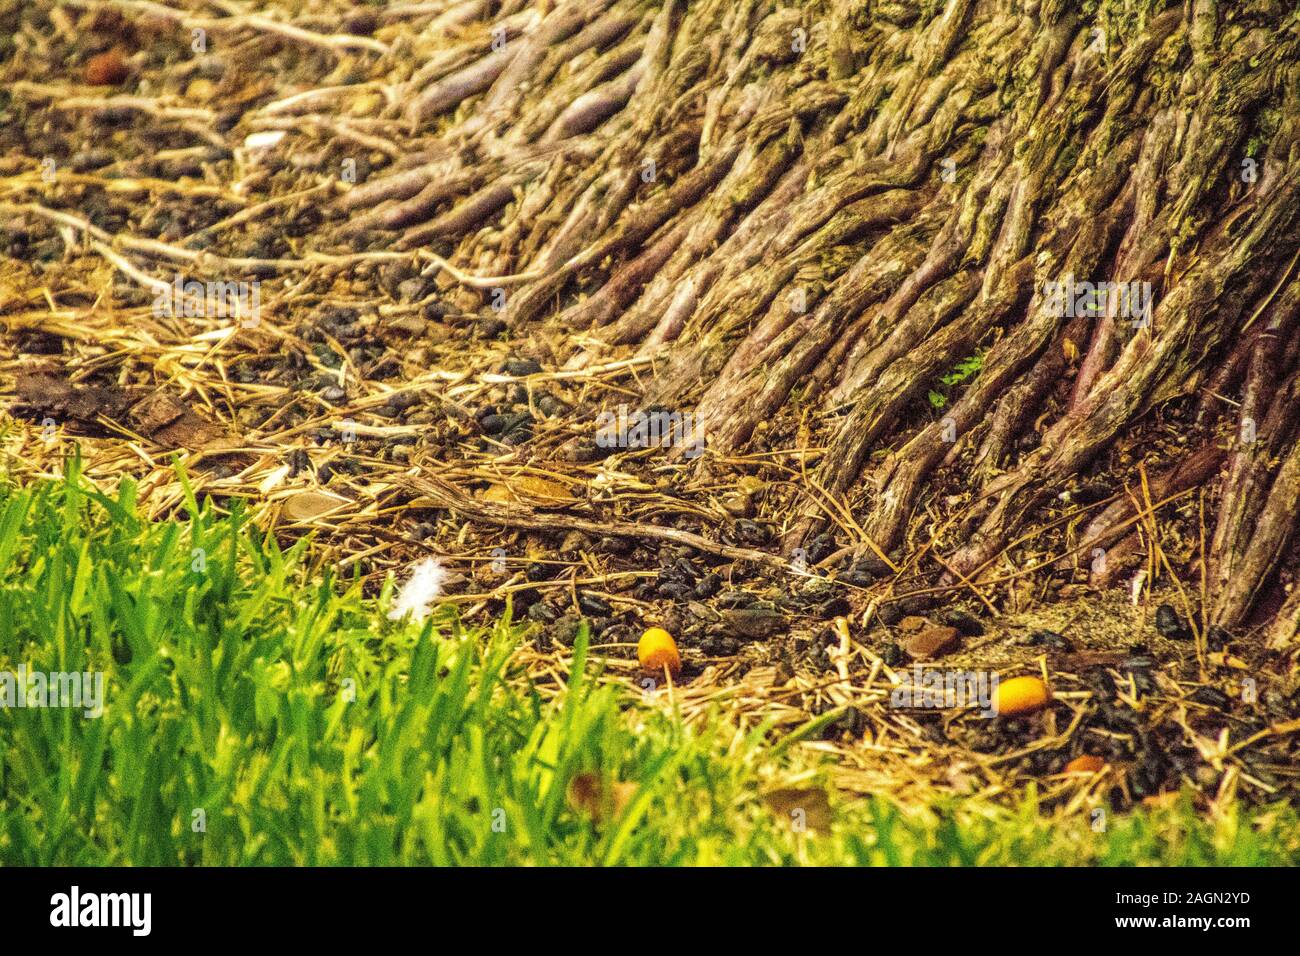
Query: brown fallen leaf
[[753, 624], [306, 505], [499, 494], [529, 490], [47, 393], [155, 412], [597, 798], [167, 422], [802, 809]]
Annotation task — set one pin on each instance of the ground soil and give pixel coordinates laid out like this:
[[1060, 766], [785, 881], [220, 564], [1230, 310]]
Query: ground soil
[[393, 415]]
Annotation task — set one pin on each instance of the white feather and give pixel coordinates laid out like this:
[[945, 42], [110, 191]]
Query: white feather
[[421, 589]]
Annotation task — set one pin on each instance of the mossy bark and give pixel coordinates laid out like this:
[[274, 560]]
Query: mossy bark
[[843, 199]]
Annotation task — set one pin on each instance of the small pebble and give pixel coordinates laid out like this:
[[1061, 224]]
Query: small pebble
[[1169, 624], [413, 290], [964, 621], [361, 23], [1044, 638], [592, 605], [491, 327], [543, 614], [521, 367], [753, 623], [106, 69], [1211, 697], [931, 642], [890, 614]]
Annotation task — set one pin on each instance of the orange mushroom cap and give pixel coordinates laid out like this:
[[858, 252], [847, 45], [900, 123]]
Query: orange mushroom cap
[[1085, 763], [657, 650], [1022, 695]]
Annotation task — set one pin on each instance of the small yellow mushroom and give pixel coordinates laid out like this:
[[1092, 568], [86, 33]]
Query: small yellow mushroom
[[657, 650], [1022, 695]]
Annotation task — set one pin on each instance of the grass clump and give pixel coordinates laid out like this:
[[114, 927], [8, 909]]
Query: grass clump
[[257, 714]]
